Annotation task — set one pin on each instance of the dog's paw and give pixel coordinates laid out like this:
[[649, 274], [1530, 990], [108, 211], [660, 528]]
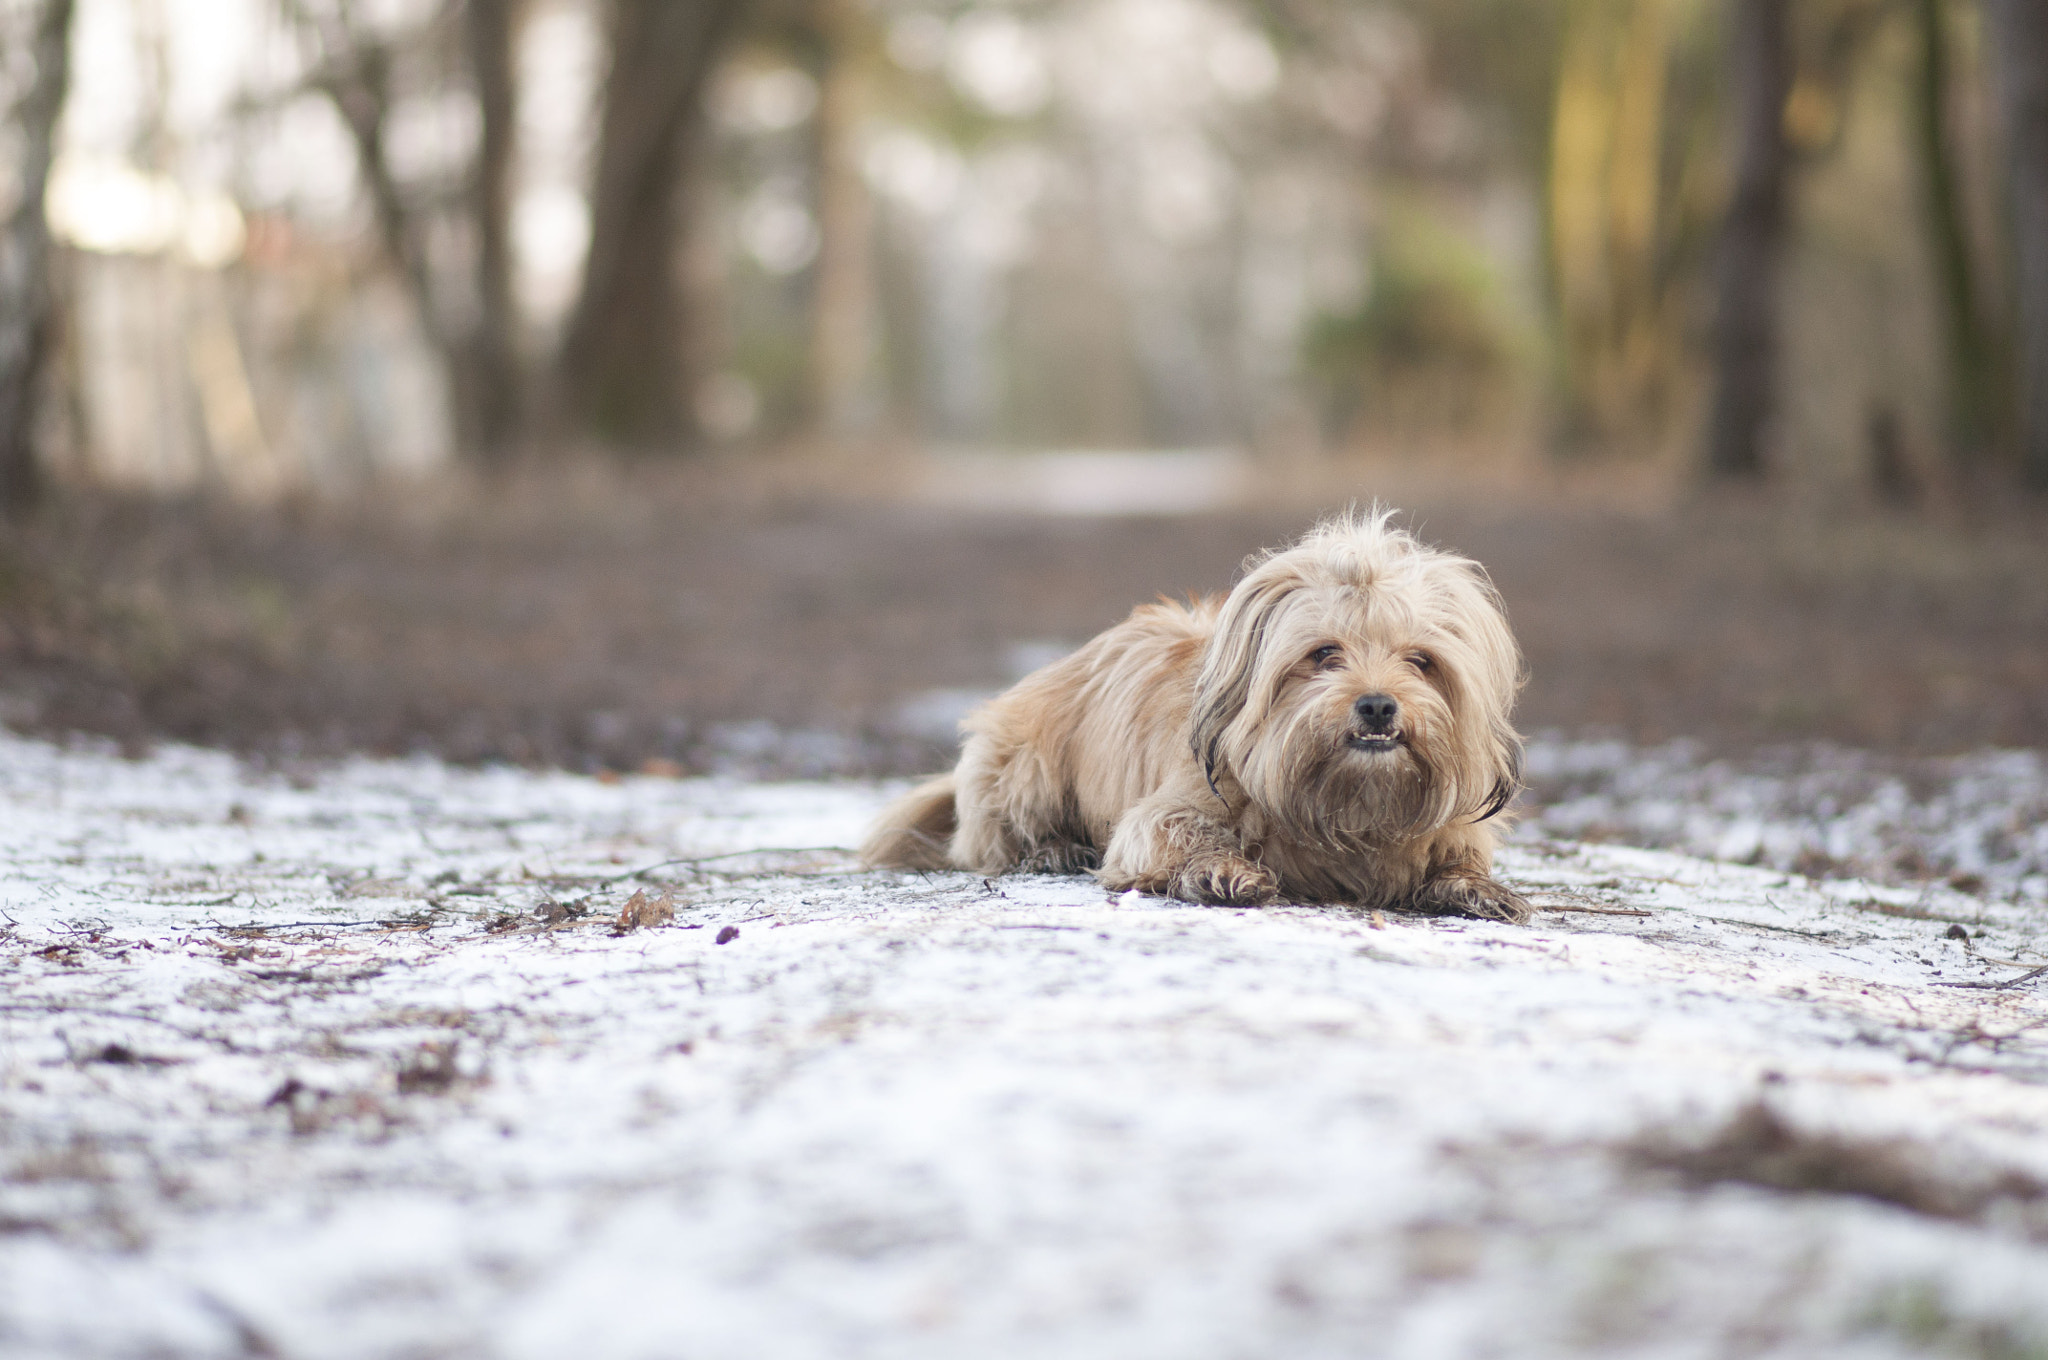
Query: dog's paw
[[1225, 881], [1473, 895], [1155, 884]]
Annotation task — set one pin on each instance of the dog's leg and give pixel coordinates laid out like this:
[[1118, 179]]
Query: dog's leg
[[1467, 890], [1062, 856], [1169, 849], [986, 841], [1016, 813]]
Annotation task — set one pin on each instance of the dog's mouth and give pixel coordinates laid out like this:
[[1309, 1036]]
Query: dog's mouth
[[1373, 741]]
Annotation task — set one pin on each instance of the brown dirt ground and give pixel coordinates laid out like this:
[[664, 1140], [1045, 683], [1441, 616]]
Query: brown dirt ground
[[603, 620]]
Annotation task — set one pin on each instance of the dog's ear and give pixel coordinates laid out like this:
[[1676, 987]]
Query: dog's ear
[[1508, 782], [1487, 673], [1230, 664]]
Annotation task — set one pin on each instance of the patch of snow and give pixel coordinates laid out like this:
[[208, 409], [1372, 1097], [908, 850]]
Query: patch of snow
[[336, 1068], [1819, 809]]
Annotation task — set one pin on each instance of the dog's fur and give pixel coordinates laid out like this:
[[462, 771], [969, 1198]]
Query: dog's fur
[[1241, 750]]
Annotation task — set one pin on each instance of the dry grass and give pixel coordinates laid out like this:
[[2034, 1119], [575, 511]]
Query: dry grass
[[1758, 1146]]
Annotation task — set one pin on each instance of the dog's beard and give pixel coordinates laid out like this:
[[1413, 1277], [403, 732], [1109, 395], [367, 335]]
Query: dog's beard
[[1310, 772]]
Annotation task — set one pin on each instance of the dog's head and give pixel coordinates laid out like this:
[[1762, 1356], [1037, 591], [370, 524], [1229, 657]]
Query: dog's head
[[1358, 686]]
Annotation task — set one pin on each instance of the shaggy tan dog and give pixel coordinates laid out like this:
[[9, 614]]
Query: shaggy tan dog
[[1335, 730]]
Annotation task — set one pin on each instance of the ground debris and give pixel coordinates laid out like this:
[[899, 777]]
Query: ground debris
[[1911, 911], [120, 1055], [431, 1069], [642, 910], [554, 915], [315, 1109], [288, 1091], [2004, 986], [1759, 1146]]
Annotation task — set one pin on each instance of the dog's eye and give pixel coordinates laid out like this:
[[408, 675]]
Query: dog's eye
[[1326, 658], [1423, 662]]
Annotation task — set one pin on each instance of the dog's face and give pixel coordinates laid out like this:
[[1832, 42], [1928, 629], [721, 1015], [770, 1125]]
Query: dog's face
[[1358, 688]]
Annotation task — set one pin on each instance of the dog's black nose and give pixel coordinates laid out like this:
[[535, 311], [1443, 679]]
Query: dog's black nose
[[1376, 711]]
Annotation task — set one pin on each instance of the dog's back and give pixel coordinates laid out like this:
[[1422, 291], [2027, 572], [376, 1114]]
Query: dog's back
[[1041, 768]]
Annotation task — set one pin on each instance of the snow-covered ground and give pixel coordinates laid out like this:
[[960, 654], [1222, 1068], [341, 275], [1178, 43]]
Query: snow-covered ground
[[1979, 820], [362, 1065]]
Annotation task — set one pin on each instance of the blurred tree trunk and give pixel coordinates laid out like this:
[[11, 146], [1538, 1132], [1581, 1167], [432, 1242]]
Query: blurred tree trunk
[[1745, 339], [27, 302], [842, 310], [488, 387], [475, 337], [2018, 30], [1972, 400], [1581, 136], [623, 358], [1609, 219]]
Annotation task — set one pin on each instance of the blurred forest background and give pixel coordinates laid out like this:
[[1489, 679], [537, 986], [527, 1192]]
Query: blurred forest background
[[689, 383]]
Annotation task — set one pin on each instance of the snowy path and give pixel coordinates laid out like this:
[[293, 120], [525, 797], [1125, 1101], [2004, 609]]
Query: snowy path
[[299, 1071]]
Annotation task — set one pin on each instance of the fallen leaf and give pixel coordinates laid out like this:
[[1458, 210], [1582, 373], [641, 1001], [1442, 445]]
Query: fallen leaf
[[642, 910]]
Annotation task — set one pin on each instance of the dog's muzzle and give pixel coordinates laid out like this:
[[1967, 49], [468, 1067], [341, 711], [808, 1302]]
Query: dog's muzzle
[[1375, 716]]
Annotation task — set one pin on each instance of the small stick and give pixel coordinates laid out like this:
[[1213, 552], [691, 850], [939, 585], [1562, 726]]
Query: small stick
[[1759, 925], [64, 1008], [255, 927], [1970, 947], [1998, 986]]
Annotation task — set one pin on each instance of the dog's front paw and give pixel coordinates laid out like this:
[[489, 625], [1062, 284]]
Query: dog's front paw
[[1225, 881], [1475, 895]]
